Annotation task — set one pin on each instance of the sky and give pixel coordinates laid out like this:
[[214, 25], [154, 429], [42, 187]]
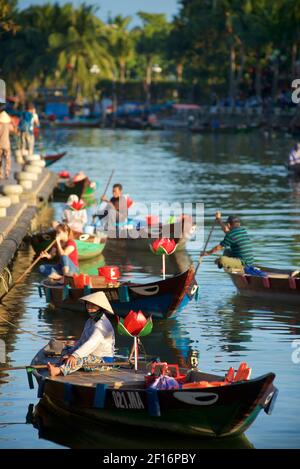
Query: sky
[[124, 7]]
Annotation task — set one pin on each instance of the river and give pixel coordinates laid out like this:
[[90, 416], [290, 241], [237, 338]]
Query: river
[[243, 174]]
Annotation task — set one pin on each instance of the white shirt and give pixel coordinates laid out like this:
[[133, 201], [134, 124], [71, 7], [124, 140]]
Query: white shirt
[[97, 338]]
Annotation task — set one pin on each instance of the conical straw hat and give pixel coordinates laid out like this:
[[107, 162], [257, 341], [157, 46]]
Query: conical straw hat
[[99, 299]]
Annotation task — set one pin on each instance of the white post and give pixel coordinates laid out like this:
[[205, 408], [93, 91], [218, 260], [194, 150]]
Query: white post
[[164, 266], [135, 354]]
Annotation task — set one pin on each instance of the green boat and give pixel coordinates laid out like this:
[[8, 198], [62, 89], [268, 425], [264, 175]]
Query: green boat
[[88, 246], [88, 250]]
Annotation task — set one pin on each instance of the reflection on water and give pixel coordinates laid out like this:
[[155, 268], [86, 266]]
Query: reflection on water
[[242, 173], [80, 433]]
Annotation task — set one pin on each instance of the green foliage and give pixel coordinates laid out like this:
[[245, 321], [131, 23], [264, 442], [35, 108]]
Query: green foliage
[[228, 45]]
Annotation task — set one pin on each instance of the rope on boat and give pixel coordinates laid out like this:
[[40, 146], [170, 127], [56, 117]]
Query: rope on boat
[[20, 329]]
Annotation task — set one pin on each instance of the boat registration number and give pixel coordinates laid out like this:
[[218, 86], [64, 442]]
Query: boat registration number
[[127, 400]]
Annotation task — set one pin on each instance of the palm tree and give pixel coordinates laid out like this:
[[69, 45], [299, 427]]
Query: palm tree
[[121, 43], [82, 45]]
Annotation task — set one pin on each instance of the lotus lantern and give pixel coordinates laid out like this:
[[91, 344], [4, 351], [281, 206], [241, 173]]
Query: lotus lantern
[[135, 325], [163, 247]]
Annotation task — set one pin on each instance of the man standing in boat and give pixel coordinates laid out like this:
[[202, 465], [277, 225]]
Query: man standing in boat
[[237, 244], [97, 342]]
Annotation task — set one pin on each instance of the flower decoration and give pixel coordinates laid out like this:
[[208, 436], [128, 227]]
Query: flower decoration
[[163, 246], [135, 324], [77, 205]]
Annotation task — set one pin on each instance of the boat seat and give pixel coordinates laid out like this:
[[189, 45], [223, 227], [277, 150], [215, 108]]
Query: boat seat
[[274, 275]]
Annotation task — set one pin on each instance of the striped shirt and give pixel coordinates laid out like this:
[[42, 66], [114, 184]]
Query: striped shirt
[[238, 241]]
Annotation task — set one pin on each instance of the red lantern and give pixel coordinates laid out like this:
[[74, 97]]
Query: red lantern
[[163, 246], [135, 322], [80, 280]]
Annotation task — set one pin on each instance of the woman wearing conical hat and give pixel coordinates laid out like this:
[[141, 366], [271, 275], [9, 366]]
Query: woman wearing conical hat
[[97, 342]]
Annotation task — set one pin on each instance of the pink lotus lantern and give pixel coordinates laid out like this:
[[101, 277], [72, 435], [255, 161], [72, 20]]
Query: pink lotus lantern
[[77, 205], [163, 247], [135, 325]]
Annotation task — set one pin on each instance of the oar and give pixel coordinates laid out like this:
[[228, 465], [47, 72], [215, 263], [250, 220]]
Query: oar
[[19, 279], [105, 190], [43, 367], [108, 183], [34, 263], [206, 244]]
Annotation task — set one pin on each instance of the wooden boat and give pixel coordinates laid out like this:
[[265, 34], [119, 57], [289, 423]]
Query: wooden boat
[[123, 396], [129, 238], [161, 299], [50, 159], [279, 284], [65, 188], [88, 246]]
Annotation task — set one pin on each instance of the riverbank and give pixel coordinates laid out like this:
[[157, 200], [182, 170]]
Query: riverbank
[[21, 216]]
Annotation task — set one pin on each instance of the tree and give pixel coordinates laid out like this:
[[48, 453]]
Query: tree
[[121, 43], [82, 44], [8, 16], [151, 40]]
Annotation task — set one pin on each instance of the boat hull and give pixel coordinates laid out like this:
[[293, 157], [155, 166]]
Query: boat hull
[[221, 411], [279, 285], [51, 159], [160, 299], [64, 189], [87, 250]]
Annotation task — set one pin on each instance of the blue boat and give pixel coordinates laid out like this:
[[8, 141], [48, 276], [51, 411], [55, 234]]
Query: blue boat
[[161, 299]]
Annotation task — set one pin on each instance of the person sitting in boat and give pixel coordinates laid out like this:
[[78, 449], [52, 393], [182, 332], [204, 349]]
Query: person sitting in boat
[[75, 214], [116, 209], [237, 244], [294, 156], [66, 249], [97, 342]]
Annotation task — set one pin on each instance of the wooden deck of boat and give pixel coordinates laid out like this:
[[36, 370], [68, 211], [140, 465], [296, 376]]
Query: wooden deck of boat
[[115, 378]]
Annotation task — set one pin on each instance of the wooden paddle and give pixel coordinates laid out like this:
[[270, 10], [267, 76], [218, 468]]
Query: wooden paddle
[[206, 244], [19, 279], [104, 193], [43, 367], [33, 264], [108, 183]]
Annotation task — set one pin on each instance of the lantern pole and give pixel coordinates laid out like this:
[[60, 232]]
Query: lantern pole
[[164, 266], [135, 354]]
